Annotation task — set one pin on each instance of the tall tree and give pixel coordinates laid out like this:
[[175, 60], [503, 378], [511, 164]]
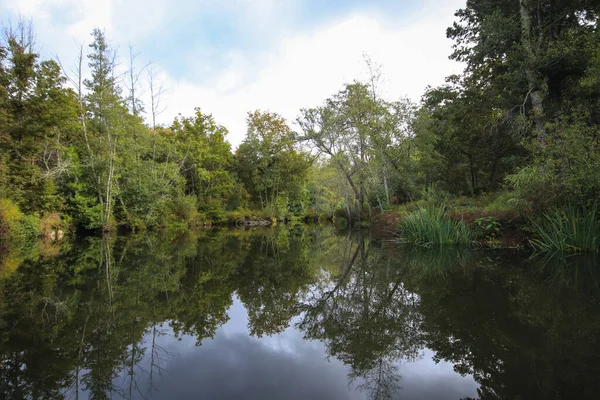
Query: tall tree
[[36, 120], [269, 164], [358, 132], [206, 161], [105, 113]]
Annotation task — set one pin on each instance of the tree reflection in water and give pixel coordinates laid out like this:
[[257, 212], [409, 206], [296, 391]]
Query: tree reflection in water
[[76, 319]]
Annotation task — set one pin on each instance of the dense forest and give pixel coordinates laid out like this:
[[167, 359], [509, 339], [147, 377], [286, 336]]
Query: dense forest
[[514, 137]]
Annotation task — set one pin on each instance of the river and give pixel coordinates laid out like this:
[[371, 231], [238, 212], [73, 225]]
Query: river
[[303, 312]]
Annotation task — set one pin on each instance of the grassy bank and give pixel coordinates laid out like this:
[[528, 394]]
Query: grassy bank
[[493, 221]]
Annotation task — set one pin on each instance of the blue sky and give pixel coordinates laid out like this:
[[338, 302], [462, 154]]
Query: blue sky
[[231, 57]]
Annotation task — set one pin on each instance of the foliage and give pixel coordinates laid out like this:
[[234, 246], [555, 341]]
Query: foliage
[[521, 120], [430, 225], [185, 209], [365, 138], [10, 217], [566, 170], [270, 166], [30, 227], [573, 230], [489, 226]]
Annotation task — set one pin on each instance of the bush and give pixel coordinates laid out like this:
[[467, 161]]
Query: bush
[[15, 225], [566, 171], [87, 211], [184, 208], [10, 217], [30, 227], [430, 225]]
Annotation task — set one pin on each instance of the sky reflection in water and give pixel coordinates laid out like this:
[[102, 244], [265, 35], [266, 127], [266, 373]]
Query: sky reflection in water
[[236, 365], [295, 313]]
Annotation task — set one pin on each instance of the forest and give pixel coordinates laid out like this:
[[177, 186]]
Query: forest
[[505, 154]]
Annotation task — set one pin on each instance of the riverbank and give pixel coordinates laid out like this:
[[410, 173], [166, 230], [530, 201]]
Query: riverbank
[[492, 221], [17, 226], [489, 230]]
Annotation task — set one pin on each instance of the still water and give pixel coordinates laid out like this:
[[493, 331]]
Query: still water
[[293, 313]]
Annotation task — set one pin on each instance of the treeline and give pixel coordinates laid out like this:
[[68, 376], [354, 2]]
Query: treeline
[[524, 114], [522, 120], [75, 149]]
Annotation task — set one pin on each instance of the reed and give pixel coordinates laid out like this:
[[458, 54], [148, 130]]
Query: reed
[[430, 225], [573, 230]]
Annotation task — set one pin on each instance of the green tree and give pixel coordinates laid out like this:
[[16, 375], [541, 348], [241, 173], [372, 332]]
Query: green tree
[[206, 161], [364, 137], [533, 59], [37, 121], [269, 165]]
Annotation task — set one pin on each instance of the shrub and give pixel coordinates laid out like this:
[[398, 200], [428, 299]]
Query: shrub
[[10, 217], [566, 171], [29, 227], [489, 227], [87, 211], [184, 208]]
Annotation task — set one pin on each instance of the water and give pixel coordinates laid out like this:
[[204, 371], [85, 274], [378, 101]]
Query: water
[[293, 313]]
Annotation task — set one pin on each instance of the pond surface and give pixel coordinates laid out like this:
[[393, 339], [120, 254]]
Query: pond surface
[[294, 313]]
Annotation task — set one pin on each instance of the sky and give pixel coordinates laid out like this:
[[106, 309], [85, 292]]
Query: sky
[[230, 57]]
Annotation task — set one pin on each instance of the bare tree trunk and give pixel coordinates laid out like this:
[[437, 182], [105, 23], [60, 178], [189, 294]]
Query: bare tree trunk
[[155, 104], [385, 185], [109, 181], [473, 175], [492, 174], [133, 82], [532, 80], [359, 206], [353, 186]]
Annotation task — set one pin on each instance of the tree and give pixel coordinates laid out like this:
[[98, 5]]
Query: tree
[[268, 163], [533, 59], [37, 121], [360, 133], [105, 109], [206, 161], [474, 138]]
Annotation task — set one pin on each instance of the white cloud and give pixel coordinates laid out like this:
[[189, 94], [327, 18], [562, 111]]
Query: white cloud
[[295, 70], [306, 68]]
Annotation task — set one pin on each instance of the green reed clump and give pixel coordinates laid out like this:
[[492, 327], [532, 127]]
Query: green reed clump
[[430, 225], [573, 230]]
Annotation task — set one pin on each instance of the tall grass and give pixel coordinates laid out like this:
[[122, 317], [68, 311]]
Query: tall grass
[[571, 231], [430, 225]]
